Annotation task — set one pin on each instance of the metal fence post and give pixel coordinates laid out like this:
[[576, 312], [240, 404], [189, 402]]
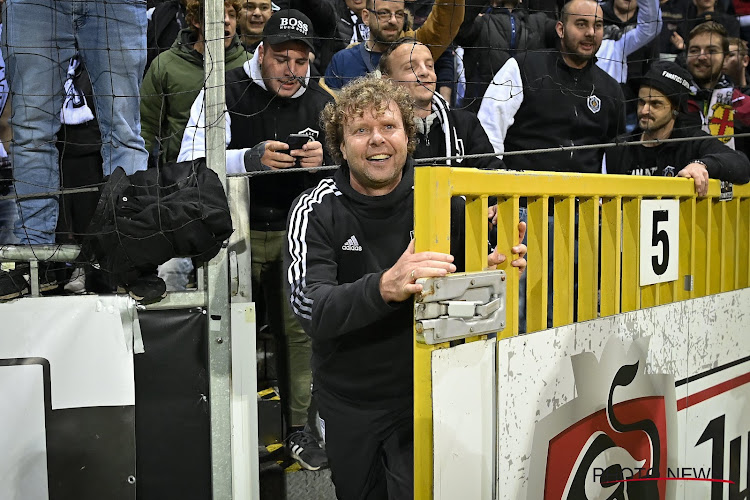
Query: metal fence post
[[217, 280]]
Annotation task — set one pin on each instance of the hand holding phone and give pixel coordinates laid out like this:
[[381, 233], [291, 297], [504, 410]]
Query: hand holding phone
[[309, 152], [295, 141]]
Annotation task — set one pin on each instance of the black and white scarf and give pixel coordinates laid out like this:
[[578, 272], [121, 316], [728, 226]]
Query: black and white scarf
[[454, 146], [75, 110]]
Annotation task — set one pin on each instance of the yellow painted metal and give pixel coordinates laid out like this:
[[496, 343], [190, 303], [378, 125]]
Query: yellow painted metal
[[432, 193], [743, 254], [588, 258], [631, 235], [507, 237], [557, 184], [665, 293], [716, 252], [536, 274], [563, 277], [729, 214], [714, 249], [735, 221], [648, 296], [610, 256], [686, 255], [702, 246], [476, 233], [476, 237]]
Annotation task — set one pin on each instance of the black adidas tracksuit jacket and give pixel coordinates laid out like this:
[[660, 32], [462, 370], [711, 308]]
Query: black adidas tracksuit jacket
[[339, 244]]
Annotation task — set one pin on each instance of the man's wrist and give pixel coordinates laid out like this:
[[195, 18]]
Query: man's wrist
[[381, 287], [699, 162], [253, 157]]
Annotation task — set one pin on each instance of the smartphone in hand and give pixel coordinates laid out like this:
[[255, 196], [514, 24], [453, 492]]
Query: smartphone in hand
[[296, 141]]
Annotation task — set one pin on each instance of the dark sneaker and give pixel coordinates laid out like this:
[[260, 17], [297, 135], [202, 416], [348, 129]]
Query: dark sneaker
[[14, 283], [147, 289], [304, 448]]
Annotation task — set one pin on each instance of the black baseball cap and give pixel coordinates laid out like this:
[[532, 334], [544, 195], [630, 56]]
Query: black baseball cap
[[671, 80], [288, 24]]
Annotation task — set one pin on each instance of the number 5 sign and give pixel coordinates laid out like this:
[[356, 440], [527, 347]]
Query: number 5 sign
[[660, 243]]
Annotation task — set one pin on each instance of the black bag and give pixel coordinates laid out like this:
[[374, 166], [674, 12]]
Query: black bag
[[144, 219]]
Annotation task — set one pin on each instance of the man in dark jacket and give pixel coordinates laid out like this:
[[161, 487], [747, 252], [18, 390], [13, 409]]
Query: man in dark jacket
[[441, 131], [269, 98], [698, 12], [558, 98], [176, 76], [165, 21], [662, 96], [351, 269], [621, 17], [351, 27], [502, 30], [387, 22]]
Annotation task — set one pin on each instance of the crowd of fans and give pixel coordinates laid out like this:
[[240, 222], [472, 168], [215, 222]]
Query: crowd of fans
[[121, 85]]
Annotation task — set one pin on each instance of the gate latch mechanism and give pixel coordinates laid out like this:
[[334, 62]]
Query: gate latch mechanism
[[459, 306]]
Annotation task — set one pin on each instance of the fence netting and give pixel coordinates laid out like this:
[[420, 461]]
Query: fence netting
[[104, 129]]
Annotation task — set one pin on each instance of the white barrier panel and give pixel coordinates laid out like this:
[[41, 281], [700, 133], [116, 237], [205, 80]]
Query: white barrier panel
[[463, 390], [66, 382], [653, 404]]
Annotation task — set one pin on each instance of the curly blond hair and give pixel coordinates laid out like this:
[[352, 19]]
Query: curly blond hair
[[362, 94]]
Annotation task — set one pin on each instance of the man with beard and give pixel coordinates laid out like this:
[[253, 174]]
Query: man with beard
[[267, 99], [661, 98], [719, 106], [554, 99], [557, 98], [387, 22]]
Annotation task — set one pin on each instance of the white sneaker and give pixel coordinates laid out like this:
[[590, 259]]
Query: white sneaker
[[77, 283]]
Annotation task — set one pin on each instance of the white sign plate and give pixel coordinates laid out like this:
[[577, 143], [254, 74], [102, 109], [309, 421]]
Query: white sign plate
[[660, 233]]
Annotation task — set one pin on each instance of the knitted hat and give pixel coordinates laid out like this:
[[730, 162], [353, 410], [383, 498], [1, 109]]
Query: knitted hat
[[671, 80]]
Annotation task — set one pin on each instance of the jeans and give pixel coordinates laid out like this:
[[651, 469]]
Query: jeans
[[38, 40], [8, 215]]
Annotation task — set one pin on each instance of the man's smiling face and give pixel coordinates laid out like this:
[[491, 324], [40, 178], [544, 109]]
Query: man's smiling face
[[375, 147]]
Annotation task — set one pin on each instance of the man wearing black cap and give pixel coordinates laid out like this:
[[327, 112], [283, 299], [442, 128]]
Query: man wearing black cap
[[662, 98], [270, 98]]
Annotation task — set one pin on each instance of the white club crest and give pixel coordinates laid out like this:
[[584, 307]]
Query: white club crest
[[594, 103], [311, 133]]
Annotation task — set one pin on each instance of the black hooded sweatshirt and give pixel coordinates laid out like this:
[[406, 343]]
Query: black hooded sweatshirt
[[340, 242], [722, 162]]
